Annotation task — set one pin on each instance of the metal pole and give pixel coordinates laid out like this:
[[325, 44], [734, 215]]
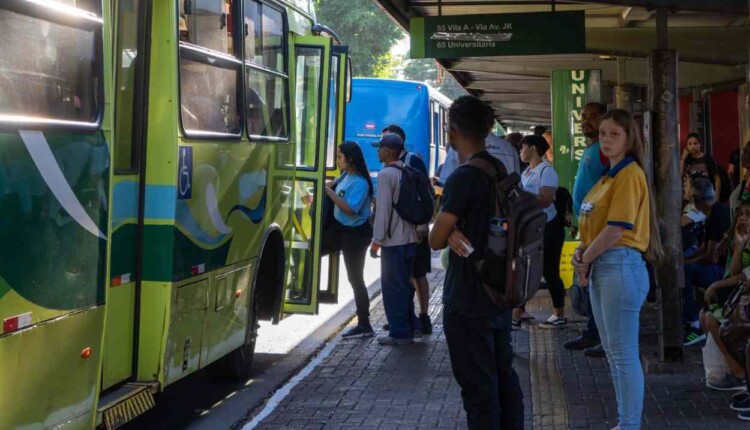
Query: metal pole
[[668, 187], [440, 7]]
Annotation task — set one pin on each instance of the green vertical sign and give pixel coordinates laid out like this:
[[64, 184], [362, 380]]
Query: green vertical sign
[[571, 91]]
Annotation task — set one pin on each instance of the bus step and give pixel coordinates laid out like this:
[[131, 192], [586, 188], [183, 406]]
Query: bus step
[[124, 404]]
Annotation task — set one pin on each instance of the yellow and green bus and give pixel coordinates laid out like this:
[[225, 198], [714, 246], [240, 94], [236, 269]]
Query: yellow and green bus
[[158, 166]]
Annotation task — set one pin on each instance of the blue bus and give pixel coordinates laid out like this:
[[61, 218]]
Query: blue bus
[[418, 108]]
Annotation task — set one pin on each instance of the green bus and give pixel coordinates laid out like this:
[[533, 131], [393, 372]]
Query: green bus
[[158, 166]]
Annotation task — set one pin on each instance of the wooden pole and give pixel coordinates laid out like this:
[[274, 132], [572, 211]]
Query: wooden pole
[[668, 188]]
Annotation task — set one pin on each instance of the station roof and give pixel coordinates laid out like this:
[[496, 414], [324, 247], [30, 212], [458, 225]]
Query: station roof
[[711, 37]]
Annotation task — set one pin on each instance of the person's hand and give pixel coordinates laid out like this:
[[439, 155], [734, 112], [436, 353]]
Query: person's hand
[[582, 269], [329, 184], [742, 232], [685, 154], [374, 248], [722, 248], [435, 180], [457, 241], [730, 333], [330, 191], [710, 293]]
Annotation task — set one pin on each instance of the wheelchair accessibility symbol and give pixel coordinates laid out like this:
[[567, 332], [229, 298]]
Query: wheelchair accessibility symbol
[[185, 176]]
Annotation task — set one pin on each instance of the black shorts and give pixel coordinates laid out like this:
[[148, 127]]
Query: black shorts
[[423, 260]]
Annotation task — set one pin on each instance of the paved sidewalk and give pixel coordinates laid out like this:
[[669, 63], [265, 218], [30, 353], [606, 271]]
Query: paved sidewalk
[[672, 401], [365, 385]]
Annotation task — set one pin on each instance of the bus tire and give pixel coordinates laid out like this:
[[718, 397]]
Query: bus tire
[[237, 365]]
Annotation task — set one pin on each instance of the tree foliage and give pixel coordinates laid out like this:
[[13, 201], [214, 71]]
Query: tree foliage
[[369, 33], [426, 70]]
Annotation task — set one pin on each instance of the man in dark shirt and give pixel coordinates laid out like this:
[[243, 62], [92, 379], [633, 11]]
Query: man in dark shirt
[[704, 267], [478, 333]]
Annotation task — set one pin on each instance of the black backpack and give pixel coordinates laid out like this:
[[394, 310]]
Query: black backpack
[[564, 206], [511, 269], [416, 197]]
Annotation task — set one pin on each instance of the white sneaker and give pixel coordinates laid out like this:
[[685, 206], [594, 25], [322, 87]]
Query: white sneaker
[[554, 322]]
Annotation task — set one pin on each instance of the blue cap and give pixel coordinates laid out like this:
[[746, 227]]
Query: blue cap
[[390, 140]]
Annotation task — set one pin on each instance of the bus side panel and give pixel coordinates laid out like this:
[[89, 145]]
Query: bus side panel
[[46, 377]]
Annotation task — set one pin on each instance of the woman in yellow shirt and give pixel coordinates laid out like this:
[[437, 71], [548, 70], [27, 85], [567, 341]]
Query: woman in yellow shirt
[[618, 228]]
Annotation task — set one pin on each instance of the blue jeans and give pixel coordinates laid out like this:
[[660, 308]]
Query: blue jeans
[[619, 286], [697, 275], [397, 265]]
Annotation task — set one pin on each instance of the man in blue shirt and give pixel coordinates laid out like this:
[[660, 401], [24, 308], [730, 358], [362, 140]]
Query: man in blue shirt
[[590, 170], [423, 259]]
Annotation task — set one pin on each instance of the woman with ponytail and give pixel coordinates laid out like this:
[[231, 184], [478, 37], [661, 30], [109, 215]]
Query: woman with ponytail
[[619, 232], [352, 199]]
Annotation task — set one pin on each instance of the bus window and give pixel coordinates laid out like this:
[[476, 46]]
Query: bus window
[[208, 23], [208, 94], [127, 60], [210, 76], [266, 105], [267, 114], [332, 113], [273, 39], [252, 32], [308, 88], [443, 124], [61, 83]]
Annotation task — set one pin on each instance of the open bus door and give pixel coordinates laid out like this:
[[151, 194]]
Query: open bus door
[[309, 74], [339, 90]]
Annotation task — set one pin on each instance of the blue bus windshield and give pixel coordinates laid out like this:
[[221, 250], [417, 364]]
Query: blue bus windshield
[[376, 104]]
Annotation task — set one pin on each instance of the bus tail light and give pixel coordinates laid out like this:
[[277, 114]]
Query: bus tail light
[[16, 322]]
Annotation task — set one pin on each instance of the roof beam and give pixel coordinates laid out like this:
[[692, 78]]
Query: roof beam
[[731, 7]]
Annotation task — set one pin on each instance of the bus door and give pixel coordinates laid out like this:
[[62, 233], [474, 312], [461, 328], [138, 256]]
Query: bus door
[[339, 86], [129, 68], [310, 69]]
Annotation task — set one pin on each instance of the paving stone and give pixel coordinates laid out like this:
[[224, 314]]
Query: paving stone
[[364, 385]]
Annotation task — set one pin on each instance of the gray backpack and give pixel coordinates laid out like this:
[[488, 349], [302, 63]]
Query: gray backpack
[[511, 269]]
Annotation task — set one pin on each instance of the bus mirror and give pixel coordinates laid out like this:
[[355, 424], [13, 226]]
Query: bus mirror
[[187, 7], [223, 21]]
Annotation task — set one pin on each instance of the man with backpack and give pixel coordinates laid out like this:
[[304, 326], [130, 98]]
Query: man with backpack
[[423, 258], [398, 239], [477, 328]]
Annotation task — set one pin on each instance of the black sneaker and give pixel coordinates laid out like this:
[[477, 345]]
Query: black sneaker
[[581, 343], [741, 406], [728, 383], [595, 351], [426, 322], [742, 395], [693, 336], [358, 332]]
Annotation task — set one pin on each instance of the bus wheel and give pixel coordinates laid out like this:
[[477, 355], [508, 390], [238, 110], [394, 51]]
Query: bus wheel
[[237, 365]]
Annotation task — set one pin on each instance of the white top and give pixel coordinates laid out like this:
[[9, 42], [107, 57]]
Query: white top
[[505, 152], [543, 175]]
